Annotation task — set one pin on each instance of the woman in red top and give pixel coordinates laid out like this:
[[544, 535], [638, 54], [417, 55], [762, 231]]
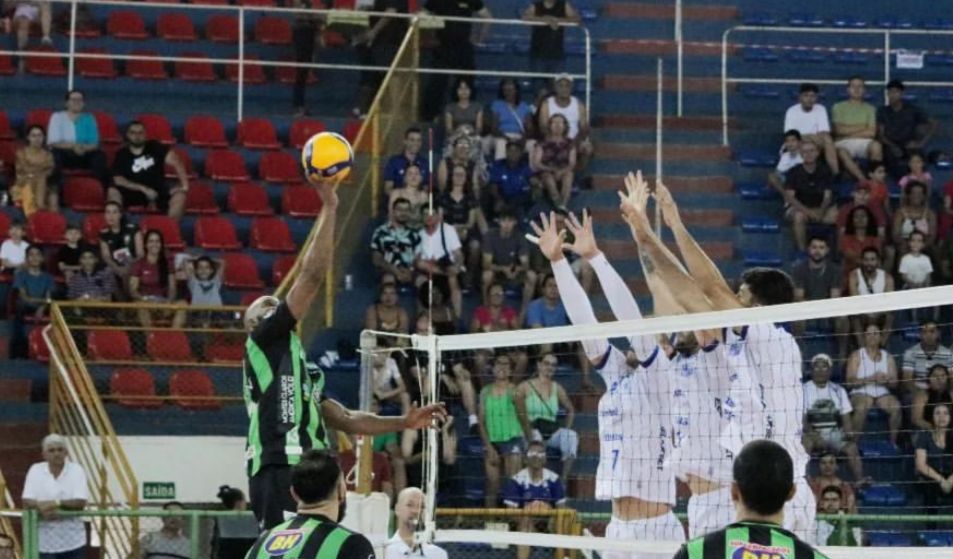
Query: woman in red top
[[860, 232], [554, 159], [152, 280], [495, 316]]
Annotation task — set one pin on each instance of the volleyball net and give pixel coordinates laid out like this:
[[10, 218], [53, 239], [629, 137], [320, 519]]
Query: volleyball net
[[622, 420]]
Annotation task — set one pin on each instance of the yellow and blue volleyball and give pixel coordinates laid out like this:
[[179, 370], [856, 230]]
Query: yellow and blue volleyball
[[327, 155]]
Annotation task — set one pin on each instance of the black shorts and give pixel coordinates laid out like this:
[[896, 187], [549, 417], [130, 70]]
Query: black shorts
[[134, 198], [270, 493]]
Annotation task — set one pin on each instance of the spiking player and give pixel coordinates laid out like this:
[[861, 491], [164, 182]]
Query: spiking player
[[634, 434]]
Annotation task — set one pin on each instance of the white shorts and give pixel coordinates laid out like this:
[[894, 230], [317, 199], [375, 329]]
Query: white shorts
[[666, 528], [710, 511], [872, 390], [856, 147], [27, 11], [564, 440], [800, 512]]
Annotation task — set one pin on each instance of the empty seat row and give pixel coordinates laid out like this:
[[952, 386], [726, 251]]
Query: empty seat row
[[136, 388], [163, 346], [222, 28], [807, 19]]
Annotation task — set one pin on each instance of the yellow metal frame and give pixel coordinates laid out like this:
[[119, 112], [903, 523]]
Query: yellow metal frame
[[6, 503]]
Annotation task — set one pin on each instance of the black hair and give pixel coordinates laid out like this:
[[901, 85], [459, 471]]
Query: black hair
[[808, 87], [36, 126], [769, 286], [870, 249], [456, 85], [764, 473], [855, 77], [315, 478], [506, 213], [163, 263], [32, 248], [134, 123], [818, 237], [917, 232], [411, 130], [71, 92], [871, 230], [466, 172], [896, 84], [171, 504], [229, 496], [792, 132], [423, 293], [211, 263], [907, 190], [832, 489], [565, 123], [516, 85], [874, 165], [399, 200]]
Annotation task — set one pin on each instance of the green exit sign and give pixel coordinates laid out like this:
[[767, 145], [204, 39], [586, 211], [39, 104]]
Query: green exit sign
[[158, 490]]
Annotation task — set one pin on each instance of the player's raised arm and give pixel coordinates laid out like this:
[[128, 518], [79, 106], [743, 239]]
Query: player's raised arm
[[319, 254]]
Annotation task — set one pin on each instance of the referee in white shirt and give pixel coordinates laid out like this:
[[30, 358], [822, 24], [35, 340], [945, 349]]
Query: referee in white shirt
[[409, 507], [52, 486]]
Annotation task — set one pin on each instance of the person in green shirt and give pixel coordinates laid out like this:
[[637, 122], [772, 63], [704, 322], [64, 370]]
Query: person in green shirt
[[763, 472], [855, 129]]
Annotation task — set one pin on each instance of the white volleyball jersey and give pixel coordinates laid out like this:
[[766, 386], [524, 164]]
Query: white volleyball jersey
[[634, 431]]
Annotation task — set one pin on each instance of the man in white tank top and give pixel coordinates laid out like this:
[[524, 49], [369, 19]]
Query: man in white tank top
[[563, 102], [634, 432], [869, 279]]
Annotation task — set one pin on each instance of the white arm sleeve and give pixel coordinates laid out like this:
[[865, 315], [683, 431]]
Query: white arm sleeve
[[622, 303], [577, 306]]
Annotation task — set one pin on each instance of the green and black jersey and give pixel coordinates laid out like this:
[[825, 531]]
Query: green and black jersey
[[748, 540], [282, 391], [311, 537]]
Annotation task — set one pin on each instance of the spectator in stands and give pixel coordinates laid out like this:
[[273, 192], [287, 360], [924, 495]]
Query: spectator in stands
[[388, 385], [232, 498], [34, 289], [397, 164], [386, 314], [914, 214], [501, 428], [495, 315], [459, 209], [946, 213], [461, 152], [872, 375], [7, 547], [860, 232], [393, 243], [915, 267], [152, 280], [454, 49], [827, 477], [861, 196], [554, 161], [934, 462], [539, 398], [506, 258], [830, 502], [869, 278], [536, 489], [817, 278], [93, 281], [807, 193], [827, 419], [415, 193], [139, 175], [902, 128], [563, 102], [456, 379], [376, 47], [408, 513], [809, 117], [380, 467], [305, 36], [919, 360], [120, 242], [389, 444], [171, 540], [547, 54], [547, 311], [436, 308], [855, 127], [463, 115], [788, 157], [439, 256], [204, 277], [412, 448], [55, 485], [13, 250], [67, 257], [879, 193], [34, 172], [74, 137], [917, 166], [512, 118], [938, 391], [25, 14], [511, 181]]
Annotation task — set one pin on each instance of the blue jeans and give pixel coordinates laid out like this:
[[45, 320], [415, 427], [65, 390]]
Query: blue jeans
[[78, 553]]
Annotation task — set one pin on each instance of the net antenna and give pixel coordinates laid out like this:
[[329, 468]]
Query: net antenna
[[659, 102]]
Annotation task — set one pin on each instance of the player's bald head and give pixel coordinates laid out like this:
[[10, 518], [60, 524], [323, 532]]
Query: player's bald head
[[260, 309]]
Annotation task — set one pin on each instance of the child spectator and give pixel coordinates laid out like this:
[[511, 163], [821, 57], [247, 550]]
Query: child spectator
[[34, 166], [33, 287], [915, 267], [67, 258], [918, 172], [204, 277], [13, 250], [914, 214], [91, 280], [877, 181], [788, 157]]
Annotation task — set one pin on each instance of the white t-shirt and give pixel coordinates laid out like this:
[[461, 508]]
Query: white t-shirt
[[66, 534], [807, 123], [15, 253], [787, 160], [398, 549], [431, 245], [916, 267], [386, 378], [825, 406]]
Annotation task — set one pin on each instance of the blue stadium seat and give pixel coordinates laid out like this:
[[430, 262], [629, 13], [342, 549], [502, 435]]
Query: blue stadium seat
[[493, 46], [756, 158], [805, 55], [883, 494], [756, 191], [760, 18], [759, 54], [851, 57], [893, 23], [760, 225], [471, 446], [943, 164], [770, 258], [936, 539], [889, 539], [877, 448], [939, 59], [942, 96], [939, 23], [587, 10], [805, 20], [761, 91], [847, 21]]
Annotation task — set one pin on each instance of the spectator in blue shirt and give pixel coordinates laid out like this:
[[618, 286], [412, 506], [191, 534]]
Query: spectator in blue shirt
[[397, 164], [512, 183], [512, 117], [73, 135], [534, 488], [547, 311], [33, 287]]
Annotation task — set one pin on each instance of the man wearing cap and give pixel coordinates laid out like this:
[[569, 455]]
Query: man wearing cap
[[563, 102], [855, 127], [827, 412], [902, 128], [288, 414], [809, 118]]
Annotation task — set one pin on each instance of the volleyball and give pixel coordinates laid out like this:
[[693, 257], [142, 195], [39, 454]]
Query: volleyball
[[327, 155]]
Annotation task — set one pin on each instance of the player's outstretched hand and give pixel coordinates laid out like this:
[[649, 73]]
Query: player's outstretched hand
[[551, 239], [327, 190], [584, 241], [665, 200], [421, 418], [634, 201]]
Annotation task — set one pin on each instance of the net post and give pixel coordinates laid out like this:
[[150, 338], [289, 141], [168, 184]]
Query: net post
[[194, 543], [430, 446], [364, 448]]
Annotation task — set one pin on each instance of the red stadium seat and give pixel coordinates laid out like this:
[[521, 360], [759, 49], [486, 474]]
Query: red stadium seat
[[157, 128], [300, 201], [44, 65], [197, 71], [333, 39], [281, 268], [224, 165], [246, 198], [216, 233], [205, 131], [186, 162], [169, 345], [146, 69], [222, 28], [175, 27], [193, 390], [302, 130], [6, 65], [134, 388], [351, 129], [257, 133], [200, 199], [225, 348], [95, 67], [38, 351], [108, 130], [6, 133], [46, 228], [271, 30], [40, 117], [248, 297], [241, 272], [278, 166], [126, 24], [86, 30], [4, 225], [92, 225], [271, 234], [165, 225], [108, 345], [84, 194], [264, 3], [212, 2], [254, 73], [8, 154], [286, 75]]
